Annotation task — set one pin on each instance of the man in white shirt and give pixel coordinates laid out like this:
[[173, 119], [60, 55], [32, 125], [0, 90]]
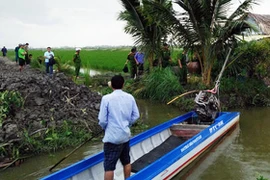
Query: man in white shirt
[[47, 55], [118, 111]]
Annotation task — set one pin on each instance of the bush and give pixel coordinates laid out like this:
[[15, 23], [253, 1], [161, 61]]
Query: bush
[[247, 92], [160, 85], [251, 59]]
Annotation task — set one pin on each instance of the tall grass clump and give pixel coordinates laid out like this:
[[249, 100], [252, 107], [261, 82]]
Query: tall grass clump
[[10, 101], [86, 75], [35, 63], [160, 85]]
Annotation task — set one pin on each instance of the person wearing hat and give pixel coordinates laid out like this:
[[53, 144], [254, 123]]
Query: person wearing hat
[[77, 62]]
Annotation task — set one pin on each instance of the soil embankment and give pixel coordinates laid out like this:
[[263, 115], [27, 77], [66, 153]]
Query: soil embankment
[[48, 102]]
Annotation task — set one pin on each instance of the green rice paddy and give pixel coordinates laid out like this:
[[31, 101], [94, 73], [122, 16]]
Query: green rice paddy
[[112, 59], [106, 59]]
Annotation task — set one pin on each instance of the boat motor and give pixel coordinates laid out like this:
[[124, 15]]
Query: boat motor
[[207, 107]]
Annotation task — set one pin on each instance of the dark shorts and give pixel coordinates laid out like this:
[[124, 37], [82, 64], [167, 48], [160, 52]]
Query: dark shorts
[[21, 62], [113, 152]]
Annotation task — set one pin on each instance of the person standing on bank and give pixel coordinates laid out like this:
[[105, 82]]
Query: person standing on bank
[[182, 62], [118, 111], [165, 56], [4, 51], [139, 57], [17, 53], [47, 55], [77, 62], [133, 63], [21, 54], [26, 48]]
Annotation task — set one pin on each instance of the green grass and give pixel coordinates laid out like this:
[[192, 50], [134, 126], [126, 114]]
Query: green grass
[[106, 59], [99, 59]]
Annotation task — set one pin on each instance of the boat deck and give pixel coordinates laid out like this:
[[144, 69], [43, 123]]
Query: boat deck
[[168, 145]]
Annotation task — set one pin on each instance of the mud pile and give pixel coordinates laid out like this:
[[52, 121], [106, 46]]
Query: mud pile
[[48, 101]]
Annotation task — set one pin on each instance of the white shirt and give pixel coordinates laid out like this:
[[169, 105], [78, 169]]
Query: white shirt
[[118, 111], [48, 56]]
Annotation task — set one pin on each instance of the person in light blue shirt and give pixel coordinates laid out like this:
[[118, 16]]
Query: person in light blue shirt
[[139, 56], [118, 111], [47, 55]]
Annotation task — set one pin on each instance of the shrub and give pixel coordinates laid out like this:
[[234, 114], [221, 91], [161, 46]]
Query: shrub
[[160, 85], [251, 58], [244, 92]]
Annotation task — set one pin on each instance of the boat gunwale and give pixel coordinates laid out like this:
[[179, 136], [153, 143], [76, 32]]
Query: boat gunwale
[[162, 163], [92, 160]]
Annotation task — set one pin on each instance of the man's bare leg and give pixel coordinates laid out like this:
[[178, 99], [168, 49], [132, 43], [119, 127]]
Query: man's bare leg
[[108, 175], [127, 170]]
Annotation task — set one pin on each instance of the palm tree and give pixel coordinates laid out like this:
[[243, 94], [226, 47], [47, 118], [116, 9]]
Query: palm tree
[[145, 25], [205, 27]]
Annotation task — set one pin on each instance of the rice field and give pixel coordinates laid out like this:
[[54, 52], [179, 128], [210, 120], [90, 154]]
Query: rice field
[[106, 59], [99, 59]]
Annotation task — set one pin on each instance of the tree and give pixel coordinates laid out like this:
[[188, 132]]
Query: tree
[[205, 27], [145, 25]]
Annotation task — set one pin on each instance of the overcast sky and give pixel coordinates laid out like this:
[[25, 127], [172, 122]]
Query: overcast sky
[[74, 23]]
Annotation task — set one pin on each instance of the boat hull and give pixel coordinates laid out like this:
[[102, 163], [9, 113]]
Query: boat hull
[[143, 144], [179, 165]]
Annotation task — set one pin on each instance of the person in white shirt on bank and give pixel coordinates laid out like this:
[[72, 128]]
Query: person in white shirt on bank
[[47, 55]]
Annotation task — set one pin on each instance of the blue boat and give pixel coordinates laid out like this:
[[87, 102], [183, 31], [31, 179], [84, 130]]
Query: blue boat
[[160, 152]]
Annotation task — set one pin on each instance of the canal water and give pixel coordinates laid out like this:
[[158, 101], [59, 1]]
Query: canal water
[[244, 154]]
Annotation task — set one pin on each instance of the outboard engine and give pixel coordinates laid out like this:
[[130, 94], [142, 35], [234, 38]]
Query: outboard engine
[[207, 107]]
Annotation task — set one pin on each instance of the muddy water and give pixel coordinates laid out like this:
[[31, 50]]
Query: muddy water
[[242, 155]]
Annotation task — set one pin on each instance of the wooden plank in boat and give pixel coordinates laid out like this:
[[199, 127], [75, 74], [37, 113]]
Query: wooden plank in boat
[[186, 131]]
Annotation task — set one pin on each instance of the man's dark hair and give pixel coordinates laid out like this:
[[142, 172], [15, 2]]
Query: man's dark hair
[[117, 82], [133, 49]]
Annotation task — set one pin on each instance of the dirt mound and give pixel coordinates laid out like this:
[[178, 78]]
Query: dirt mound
[[48, 101]]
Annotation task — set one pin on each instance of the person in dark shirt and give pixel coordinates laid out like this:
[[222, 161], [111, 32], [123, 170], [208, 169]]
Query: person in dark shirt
[[182, 62], [165, 55], [77, 62], [27, 61], [4, 51], [17, 53], [133, 63], [30, 58]]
